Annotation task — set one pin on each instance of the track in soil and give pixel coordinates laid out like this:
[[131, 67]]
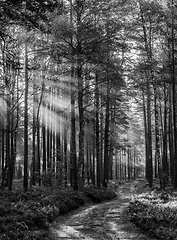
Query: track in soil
[[106, 221]]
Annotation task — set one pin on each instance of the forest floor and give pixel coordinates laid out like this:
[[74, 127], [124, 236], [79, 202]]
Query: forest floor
[[29, 215], [105, 221], [118, 212]]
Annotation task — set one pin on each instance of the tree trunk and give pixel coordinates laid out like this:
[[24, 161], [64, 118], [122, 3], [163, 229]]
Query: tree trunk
[[97, 129], [80, 103], [164, 173], [44, 160], [174, 91], [147, 34], [145, 131], [106, 140], [149, 138], [25, 182], [38, 153], [3, 157], [171, 142], [157, 134], [73, 157], [8, 152], [65, 154], [48, 138], [33, 163]]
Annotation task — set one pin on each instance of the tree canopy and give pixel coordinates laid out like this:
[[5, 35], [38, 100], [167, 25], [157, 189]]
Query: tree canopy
[[88, 91]]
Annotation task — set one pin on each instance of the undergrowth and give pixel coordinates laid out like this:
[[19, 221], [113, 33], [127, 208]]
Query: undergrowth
[[28, 215], [155, 212]]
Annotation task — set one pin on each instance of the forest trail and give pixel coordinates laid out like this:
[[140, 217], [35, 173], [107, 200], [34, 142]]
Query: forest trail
[[105, 221]]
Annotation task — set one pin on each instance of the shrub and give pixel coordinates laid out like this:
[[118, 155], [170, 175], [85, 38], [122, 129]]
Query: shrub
[[150, 213], [98, 195], [27, 215], [95, 194], [109, 194]]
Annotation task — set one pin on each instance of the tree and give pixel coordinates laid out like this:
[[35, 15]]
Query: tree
[[76, 55], [25, 182]]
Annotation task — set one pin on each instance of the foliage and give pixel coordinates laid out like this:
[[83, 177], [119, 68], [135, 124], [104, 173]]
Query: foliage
[[31, 14], [28, 215], [98, 195], [155, 212]]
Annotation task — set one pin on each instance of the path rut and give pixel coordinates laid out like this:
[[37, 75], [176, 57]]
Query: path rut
[[106, 221]]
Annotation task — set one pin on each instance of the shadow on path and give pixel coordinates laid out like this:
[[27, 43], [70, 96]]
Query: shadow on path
[[106, 221]]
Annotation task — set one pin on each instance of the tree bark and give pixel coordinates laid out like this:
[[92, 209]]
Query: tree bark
[[97, 129], [25, 182], [174, 90]]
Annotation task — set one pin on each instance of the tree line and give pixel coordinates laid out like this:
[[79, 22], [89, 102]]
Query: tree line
[[87, 92]]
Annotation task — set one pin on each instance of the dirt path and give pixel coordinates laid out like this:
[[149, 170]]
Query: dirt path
[[106, 221]]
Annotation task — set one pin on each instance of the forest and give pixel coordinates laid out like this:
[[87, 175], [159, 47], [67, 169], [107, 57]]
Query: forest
[[87, 96]]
